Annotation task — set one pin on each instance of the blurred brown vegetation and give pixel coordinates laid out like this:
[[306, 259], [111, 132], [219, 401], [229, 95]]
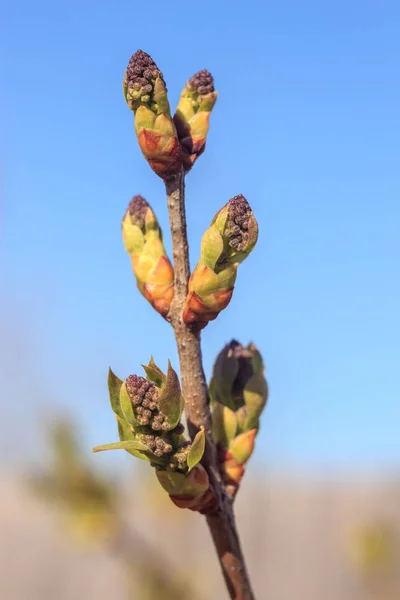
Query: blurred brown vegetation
[[72, 531], [90, 507]]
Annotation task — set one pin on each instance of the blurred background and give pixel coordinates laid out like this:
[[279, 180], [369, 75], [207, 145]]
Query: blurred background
[[306, 127]]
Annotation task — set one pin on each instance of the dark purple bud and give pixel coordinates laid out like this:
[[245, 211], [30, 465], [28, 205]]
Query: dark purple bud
[[137, 210], [142, 68], [137, 387], [239, 213], [202, 83]]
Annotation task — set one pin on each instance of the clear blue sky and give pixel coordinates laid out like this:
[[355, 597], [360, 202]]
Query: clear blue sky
[[306, 126]]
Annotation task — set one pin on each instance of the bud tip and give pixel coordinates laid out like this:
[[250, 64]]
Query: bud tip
[[137, 210], [202, 82], [239, 213]]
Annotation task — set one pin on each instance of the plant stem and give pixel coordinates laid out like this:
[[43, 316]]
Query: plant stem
[[221, 520]]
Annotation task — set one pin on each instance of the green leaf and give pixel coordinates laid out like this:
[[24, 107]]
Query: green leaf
[[197, 450], [132, 236], [255, 396], [212, 246], [126, 405], [256, 358], [169, 401], [193, 484], [171, 481], [226, 368], [224, 424], [124, 430], [221, 218], [127, 445], [114, 386], [154, 374], [241, 416], [243, 445]]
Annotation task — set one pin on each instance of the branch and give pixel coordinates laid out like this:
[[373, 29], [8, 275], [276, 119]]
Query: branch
[[221, 521]]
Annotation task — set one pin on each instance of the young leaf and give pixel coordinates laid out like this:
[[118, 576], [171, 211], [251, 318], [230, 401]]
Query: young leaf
[[154, 374], [197, 450], [171, 481], [114, 386], [255, 396], [224, 424], [169, 401], [126, 405], [126, 445], [243, 445], [124, 430], [212, 246]]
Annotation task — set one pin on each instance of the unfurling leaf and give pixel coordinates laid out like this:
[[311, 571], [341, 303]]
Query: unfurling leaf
[[126, 405], [169, 401], [242, 446], [224, 424], [197, 450], [127, 445], [114, 387], [255, 394], [154, 373], [193, 484]]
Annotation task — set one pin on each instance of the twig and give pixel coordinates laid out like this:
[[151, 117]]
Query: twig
[[221, 521]]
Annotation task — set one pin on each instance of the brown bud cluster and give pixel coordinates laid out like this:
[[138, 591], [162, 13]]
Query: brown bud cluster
[[179, 458], [141, 73], [157, 445], [137, 209], [236, 229], [144, 398], [202, 82]]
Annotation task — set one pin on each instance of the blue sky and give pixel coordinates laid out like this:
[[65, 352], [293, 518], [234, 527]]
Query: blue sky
[[306, 126]]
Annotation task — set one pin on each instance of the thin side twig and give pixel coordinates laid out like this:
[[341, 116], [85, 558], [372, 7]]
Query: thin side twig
[[221, 520]]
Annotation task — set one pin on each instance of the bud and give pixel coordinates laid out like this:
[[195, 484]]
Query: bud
[[242, 446], [193, 115], [148, 412], [239, 392], [143, 241], [226, 243], [188, 491], [146, 95], [238, 382]]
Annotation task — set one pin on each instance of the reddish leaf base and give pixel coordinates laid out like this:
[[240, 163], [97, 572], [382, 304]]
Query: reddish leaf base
[[203, 504], [197, 314], [232, 470], [163, 152]]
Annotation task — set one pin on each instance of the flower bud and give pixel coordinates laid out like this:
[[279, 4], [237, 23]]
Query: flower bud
[[228, 241], [193, 114], [239, 392], [143, 241], [148, 412], [146, 95]]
